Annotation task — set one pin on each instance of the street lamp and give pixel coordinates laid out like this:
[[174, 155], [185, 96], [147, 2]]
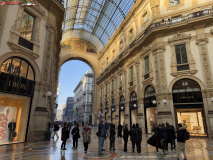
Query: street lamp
[[154, 102], [164, 101], [212, 99]]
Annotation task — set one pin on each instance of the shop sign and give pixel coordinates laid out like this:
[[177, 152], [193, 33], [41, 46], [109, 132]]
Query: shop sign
[[16, 85], [187, 97]]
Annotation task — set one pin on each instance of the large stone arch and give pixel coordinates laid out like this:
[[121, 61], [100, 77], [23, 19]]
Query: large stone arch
[[144, 87], [188, 77], [27, 58]]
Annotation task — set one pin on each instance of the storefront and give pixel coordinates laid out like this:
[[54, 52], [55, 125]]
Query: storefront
[[106, 110], [113, 111], [16, 91], [150, 108], [133, 108], [121, 111], [188, 104]]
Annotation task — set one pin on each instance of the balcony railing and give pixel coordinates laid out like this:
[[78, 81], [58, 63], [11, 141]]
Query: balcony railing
[[61, 1], [158, 25], [25, 43]]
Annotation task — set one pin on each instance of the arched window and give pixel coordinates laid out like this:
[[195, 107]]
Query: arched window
[[122, 99], [133, 96], [18, 67], [106, 104], [113, 102], [186, 85], [150, 91]]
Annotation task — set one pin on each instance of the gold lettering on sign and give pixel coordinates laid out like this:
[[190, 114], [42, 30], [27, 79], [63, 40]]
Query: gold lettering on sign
[[17, 85]]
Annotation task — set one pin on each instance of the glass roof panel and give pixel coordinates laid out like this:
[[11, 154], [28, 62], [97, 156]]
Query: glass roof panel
[[100, 17]]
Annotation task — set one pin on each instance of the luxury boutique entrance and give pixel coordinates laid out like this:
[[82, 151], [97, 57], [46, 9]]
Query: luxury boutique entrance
[[188, 103], [150, 108], [121, 111], [16, 90], [133, 107], [113, 111]]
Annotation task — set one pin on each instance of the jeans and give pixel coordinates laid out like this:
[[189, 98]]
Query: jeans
[[181, 148], [138, 144], [125, 145], [100, 145], [112, 145], [85, 146], [104, 143], [75, 143], [133, 146]]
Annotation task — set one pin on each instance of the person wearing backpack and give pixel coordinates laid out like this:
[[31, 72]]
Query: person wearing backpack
[[138, 138], [181, 139], [112, 137], [132, 137]]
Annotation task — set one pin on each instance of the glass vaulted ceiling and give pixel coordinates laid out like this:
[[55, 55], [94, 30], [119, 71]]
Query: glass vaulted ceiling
[[100, 18]]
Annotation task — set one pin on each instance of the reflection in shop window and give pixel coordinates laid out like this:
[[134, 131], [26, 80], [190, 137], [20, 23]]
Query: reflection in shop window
[[133, 96]]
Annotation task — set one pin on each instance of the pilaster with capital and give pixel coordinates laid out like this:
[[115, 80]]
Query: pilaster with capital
[[155, 6]]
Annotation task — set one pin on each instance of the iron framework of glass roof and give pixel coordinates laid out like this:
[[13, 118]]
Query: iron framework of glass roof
[[100, 17]]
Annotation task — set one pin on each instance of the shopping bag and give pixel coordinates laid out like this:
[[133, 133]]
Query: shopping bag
[[160, 156]]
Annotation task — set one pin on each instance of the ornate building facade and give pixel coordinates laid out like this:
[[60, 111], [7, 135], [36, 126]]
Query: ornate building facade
[[157, 67], [29, 56]]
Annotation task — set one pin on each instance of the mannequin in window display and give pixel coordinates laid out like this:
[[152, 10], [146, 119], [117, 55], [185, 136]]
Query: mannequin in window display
[[11, 127]]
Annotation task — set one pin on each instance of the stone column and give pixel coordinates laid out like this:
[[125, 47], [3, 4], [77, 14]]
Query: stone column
[[116, 115], [109, 114], [127, 114], [140, 115]]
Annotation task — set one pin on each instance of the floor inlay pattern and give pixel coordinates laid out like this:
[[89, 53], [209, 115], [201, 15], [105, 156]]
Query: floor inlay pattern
[[196, 148]]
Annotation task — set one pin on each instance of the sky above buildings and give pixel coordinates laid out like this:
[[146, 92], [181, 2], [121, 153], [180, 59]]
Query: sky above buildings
[[71, 74]]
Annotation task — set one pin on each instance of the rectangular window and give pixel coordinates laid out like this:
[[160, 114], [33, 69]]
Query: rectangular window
[[173, 2], [131, 33], [177, 19], [113, 85], [120, 80], [106, 88], [181, 57], [146, 61], [145, 17], [27, 24], [101, 92], [131, 74], [107, 60], [121, 44]]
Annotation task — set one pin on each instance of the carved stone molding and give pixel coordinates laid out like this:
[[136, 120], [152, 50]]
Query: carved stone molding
[[158, 47], [154, 3], [207, 93], [132, 88], [162, 72], [2, 16], [143, 22], [157, 73], [162, 96], [201, 40], [167, 5], [140, 101], [211, 31]]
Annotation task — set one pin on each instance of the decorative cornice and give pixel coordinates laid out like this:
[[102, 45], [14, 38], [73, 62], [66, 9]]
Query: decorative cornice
[[201, 40], [158, 47], [179, 36]]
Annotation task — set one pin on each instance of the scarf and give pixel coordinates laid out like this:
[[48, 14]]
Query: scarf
[[86, 129]]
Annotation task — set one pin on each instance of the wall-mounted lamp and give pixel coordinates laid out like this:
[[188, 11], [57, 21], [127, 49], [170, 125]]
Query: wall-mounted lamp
[[105, 110], [154, 102], [48, 94], [112, 109], [164, 101], [135, 105], [55, 96], [122, 107], [212, 99], [54, 102]]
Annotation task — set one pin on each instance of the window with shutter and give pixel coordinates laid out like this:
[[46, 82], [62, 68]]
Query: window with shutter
[[181, 57]]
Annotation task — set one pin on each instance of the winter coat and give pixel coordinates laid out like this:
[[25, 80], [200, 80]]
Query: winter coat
[[138, 135], [86, 135], [170, 135], [125, 134], [181, 134], [157, 136], [112, 132], [165, 133], [120, 128], [132, 134], [76, 131], [56, 127], [65, 134], [102, 128], [173, 132]]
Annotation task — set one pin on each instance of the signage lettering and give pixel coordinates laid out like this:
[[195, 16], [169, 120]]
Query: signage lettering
[[17, 85], [187, 97]]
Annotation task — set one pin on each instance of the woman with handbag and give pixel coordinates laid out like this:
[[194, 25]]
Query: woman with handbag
[[86, 133], [112, 137]]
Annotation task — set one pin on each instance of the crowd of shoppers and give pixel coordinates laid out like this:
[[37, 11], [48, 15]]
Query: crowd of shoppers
[[163, 134]]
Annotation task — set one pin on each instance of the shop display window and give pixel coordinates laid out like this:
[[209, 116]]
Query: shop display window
[[194, 122], [122, 113], [151, 114], [13, 117], [134, 114]]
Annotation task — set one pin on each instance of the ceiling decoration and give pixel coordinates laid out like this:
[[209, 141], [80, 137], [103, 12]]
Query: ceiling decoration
[[99, 18]]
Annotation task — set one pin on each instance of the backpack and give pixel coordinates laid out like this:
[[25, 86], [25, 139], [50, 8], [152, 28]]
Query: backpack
[[99, 131], [186, 135]]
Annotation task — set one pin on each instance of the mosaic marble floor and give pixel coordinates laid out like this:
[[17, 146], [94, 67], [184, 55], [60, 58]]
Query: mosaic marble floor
[[197, 149]]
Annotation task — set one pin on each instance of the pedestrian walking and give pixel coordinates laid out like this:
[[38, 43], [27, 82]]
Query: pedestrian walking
[[138, 138], [125, 137], [86, 133], [112, 137], [170, 134], [56, 129], [173, 136], [65, 135], [102, 127], [49, 126], [181, 141], [165, 136], [132, 137], [83, 124], [76, 135], [119, 129]]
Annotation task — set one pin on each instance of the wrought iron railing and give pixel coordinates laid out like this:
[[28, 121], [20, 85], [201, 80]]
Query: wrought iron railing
[[25, 43], [158, 25], [146, 76]]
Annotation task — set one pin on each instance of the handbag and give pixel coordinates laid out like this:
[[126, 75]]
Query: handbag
[[14, 134]]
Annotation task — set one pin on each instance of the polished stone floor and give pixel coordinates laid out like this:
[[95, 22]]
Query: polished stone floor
[[197, 149]]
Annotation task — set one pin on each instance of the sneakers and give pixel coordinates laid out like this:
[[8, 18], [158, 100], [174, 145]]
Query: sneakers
[[103, 149]]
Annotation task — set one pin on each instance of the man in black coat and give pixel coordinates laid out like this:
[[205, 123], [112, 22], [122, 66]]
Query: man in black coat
[[112, 137], [56, 129], [181, 141], [138, 138], [76, 135], [119, 129]]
